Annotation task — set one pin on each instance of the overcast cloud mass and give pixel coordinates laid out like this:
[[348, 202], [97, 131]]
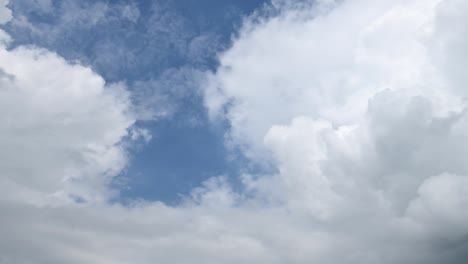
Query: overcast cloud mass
[[359, 106]]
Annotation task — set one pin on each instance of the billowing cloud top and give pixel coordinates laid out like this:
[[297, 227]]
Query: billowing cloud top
[[359, 105]]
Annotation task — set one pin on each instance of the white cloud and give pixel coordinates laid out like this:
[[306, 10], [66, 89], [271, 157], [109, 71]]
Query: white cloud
[[360, 106], [61, 128], [328, 67], [60, 124]]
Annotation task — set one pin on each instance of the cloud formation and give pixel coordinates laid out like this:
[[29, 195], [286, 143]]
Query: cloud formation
[[359, 105]]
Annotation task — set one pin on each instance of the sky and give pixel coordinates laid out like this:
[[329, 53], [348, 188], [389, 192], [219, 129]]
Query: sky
[[157, 48], [233, 131]]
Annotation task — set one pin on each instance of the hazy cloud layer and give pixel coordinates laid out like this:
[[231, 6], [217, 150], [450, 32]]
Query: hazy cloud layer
[[359, 105]]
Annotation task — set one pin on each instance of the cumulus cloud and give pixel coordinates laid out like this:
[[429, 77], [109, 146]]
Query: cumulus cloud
[[61, 123], [359, 104]]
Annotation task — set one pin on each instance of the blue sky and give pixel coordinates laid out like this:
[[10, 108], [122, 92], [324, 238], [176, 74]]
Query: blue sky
[[233, 131], [158, 49]]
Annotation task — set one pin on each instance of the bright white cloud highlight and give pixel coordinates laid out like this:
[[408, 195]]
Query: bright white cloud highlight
[[60, 124], [359, 104], [361, 107], [62, 128]]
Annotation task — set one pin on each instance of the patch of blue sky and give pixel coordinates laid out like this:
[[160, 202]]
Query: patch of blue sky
[[157, 48]]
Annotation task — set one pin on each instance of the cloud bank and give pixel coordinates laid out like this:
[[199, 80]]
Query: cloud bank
[[359, 104]]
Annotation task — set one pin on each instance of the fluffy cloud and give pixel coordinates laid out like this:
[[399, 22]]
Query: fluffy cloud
[[62, 128], [60, 124], [328, 68], [359, 105]]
